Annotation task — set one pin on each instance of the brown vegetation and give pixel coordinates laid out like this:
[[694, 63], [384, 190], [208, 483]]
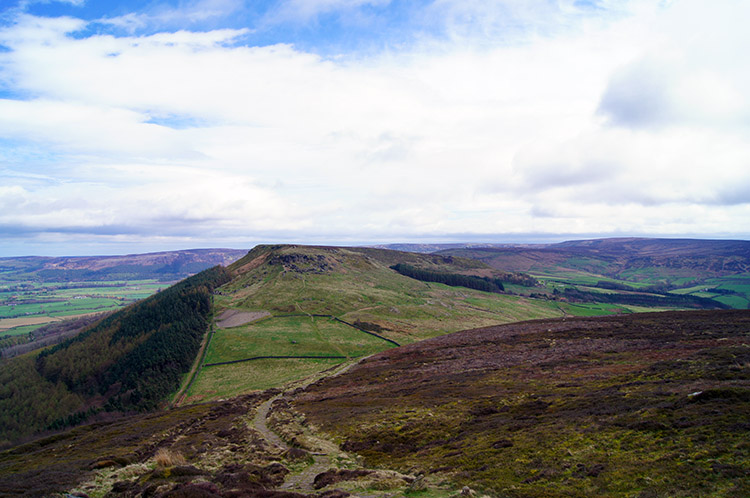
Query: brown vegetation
[[653, 404]]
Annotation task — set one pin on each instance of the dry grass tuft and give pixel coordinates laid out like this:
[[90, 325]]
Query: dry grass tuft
[[165, 458]]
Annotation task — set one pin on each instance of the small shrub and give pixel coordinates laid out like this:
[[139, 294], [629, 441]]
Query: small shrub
[[165, 458]]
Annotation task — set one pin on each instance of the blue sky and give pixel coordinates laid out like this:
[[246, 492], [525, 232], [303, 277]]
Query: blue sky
[[151, 125]]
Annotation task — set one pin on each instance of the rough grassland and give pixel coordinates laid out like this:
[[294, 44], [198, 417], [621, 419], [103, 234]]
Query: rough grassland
[[224, 381], [643, 405], [292, 336], [358, 286]]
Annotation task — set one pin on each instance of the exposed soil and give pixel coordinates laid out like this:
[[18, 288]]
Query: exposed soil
[[235, 318]]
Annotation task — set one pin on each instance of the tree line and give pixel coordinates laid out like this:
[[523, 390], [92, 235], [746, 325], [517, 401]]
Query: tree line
[[129, 361], [142, 351], [485, 284], [649, 300]]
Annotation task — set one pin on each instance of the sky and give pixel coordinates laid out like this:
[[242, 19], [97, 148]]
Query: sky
[[145, 125]]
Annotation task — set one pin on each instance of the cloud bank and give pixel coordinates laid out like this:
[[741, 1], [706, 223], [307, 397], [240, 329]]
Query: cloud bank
[[483, 120]]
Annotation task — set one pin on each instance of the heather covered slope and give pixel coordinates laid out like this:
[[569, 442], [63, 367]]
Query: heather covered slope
[[650, 405], [641, 405]]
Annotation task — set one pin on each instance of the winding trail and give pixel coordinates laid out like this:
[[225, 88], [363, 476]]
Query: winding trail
[[303, 480], [259, 422]]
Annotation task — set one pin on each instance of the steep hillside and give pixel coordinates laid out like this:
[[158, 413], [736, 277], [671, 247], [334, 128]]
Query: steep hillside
[[314, 307], [130, 360], [639, 405]]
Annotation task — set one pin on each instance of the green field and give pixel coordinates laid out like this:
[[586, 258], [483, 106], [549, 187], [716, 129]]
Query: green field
[[26, 306], [292, 336], [224, 381], [739, 296]]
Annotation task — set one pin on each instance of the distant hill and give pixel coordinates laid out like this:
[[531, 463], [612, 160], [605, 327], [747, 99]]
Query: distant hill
[[430, 248], [719, 257], [168, 266], [35, 291], [715, 269]]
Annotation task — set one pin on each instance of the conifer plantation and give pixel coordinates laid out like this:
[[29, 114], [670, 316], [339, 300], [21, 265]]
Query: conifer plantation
[[130, 361]]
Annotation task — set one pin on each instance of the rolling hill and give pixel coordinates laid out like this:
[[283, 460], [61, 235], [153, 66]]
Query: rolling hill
[[715, 269], [168, 265], [276, 315], [320, 307], [335, 304]]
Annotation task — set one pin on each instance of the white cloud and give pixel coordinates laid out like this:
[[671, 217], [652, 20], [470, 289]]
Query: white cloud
[[190, 135], [690, 71]]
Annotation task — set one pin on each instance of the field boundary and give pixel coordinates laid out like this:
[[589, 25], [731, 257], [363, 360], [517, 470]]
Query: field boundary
[[180, 396], [281, 357], [340, 321]]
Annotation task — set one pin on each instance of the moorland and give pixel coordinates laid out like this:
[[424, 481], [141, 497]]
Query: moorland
[[393, 372]]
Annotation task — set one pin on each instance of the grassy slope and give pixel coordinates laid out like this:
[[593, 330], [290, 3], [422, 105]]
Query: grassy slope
[[291, 336], [355, 285], [645, 405]]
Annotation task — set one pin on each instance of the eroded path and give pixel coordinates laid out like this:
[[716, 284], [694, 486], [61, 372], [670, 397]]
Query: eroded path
[[259, 422], [302, 480]]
